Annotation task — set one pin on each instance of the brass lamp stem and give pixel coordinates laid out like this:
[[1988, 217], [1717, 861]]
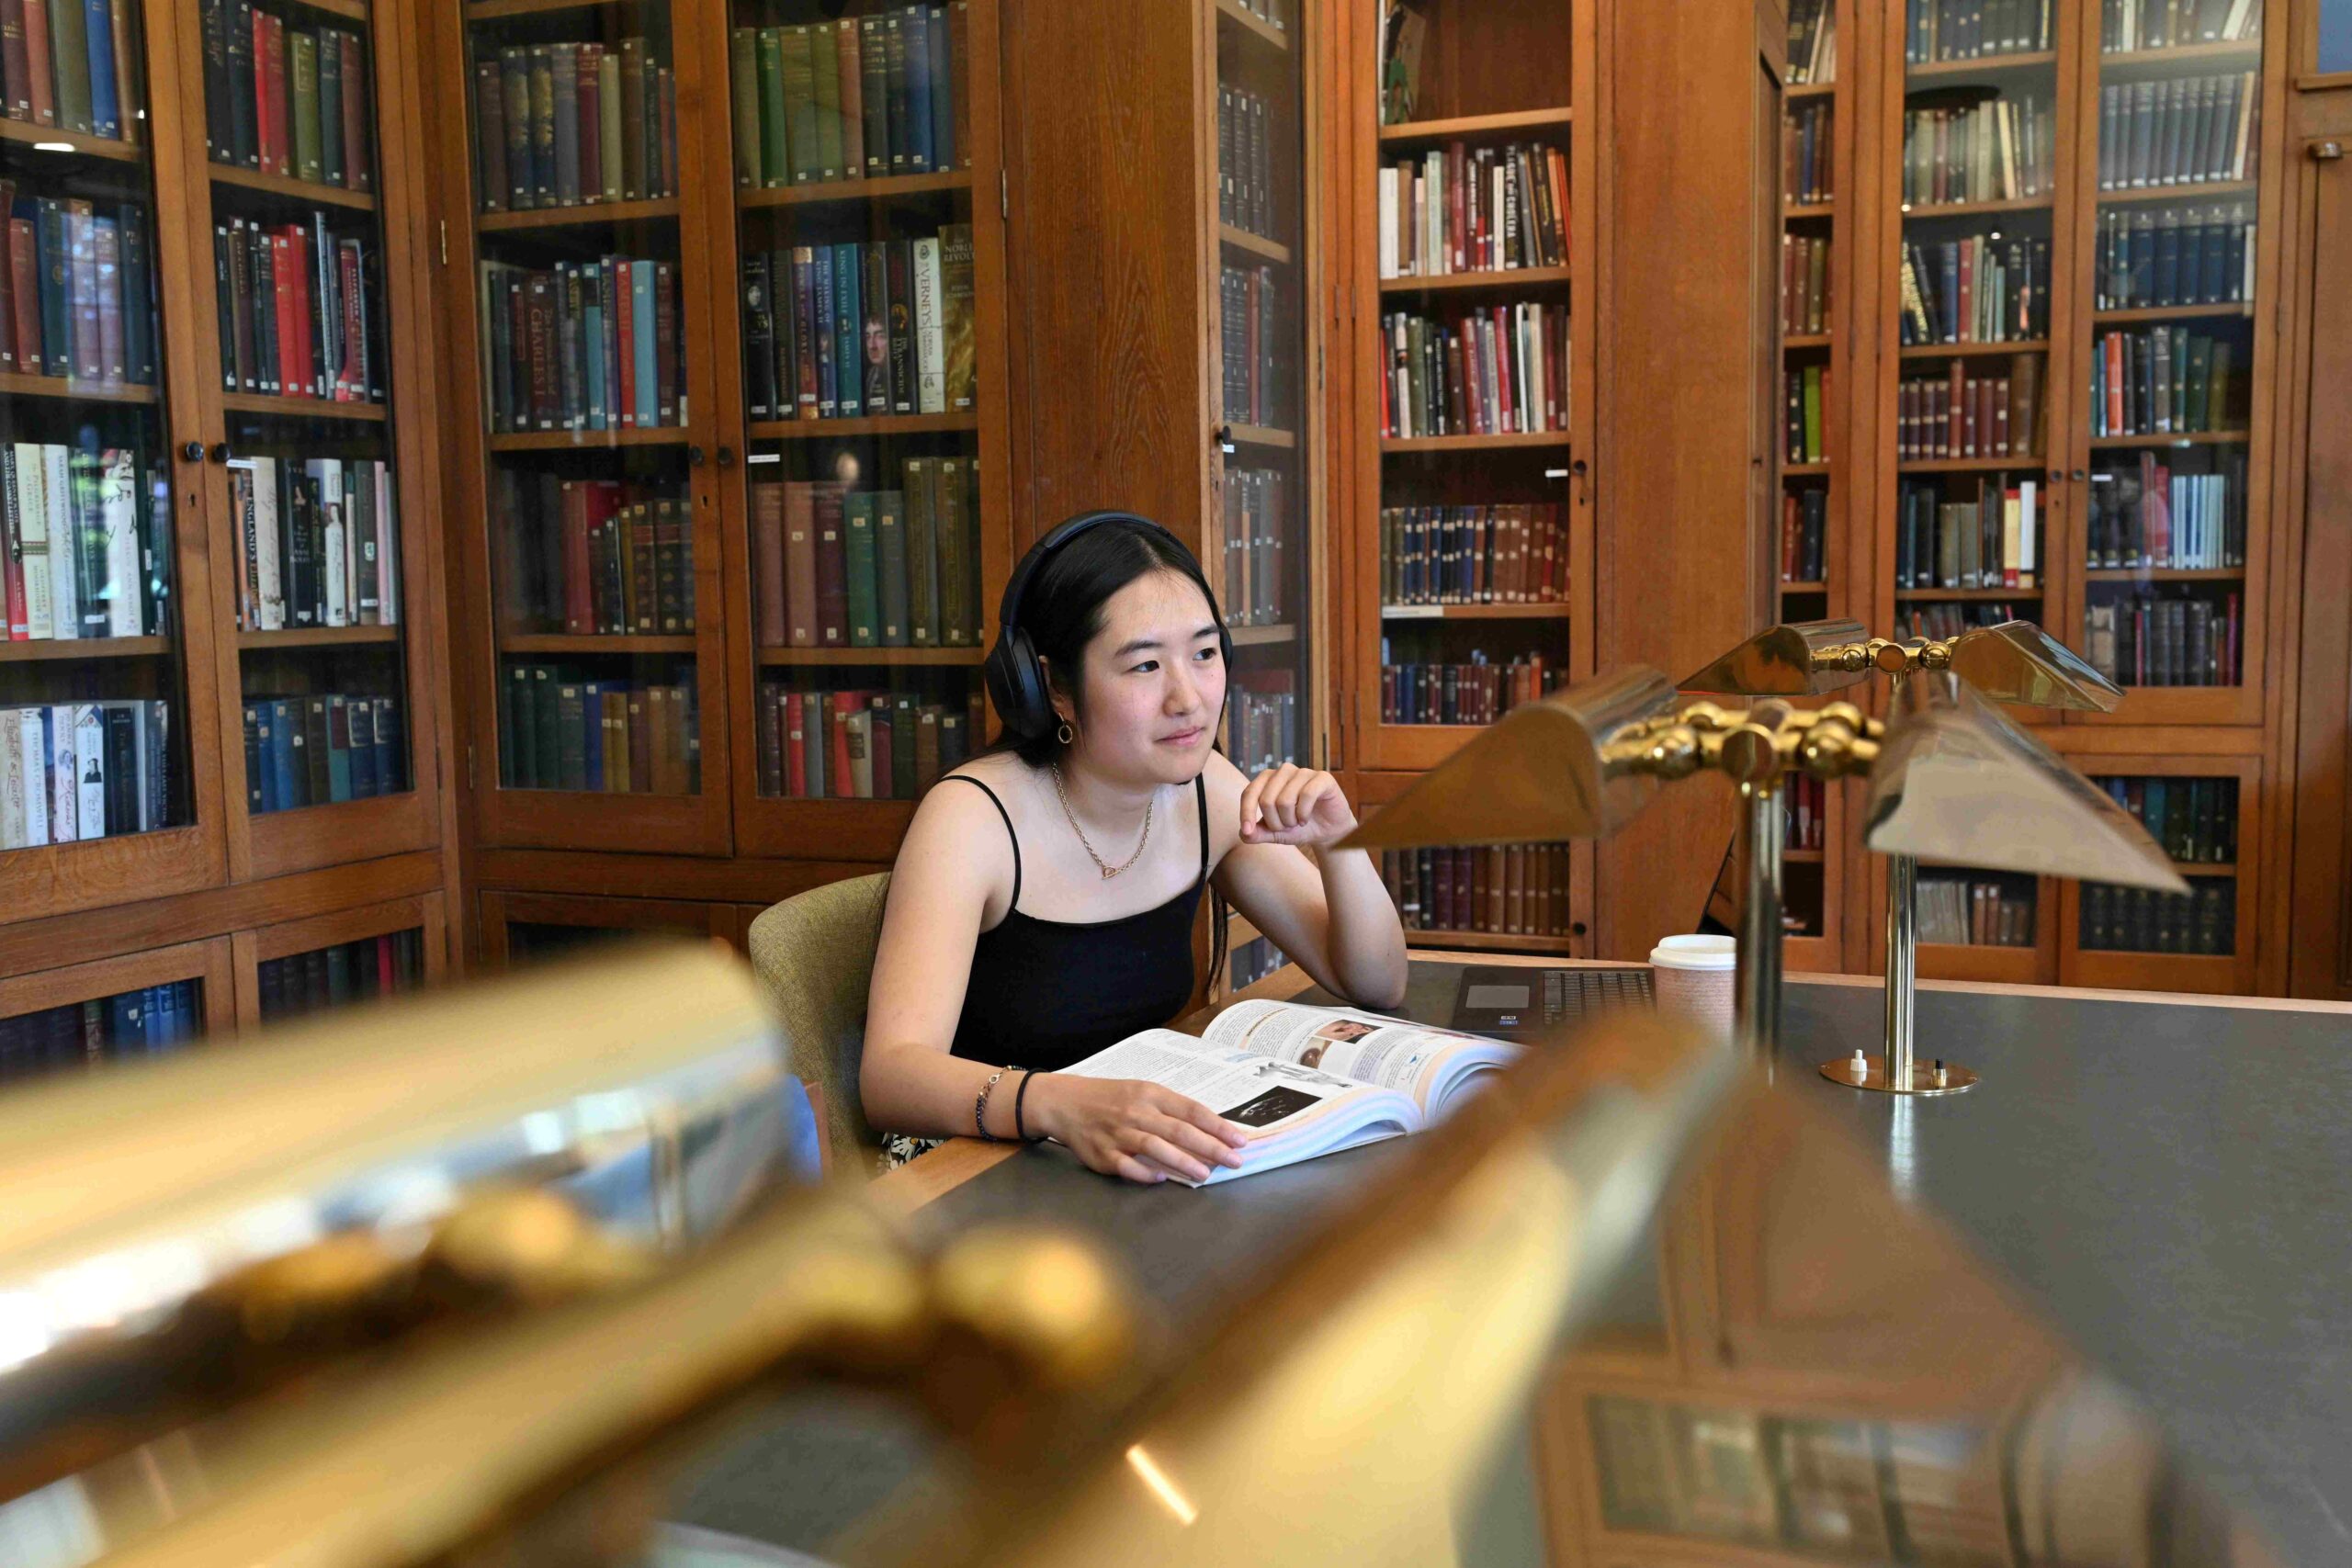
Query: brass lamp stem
[[1757, 1002]]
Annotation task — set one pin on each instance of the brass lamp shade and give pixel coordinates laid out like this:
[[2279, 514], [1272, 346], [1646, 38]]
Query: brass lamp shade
[[2018, 662], [1544, 772], [1780, 661], [1958, 782]]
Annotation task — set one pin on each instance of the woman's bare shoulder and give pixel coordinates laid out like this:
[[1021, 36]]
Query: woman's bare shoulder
[[961, 823]]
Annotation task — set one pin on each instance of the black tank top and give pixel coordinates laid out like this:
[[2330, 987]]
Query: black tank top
[[1045, 994]]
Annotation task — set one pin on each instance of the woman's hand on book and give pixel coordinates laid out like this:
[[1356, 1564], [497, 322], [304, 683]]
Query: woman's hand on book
[[1291, 805], [1131, 1128]]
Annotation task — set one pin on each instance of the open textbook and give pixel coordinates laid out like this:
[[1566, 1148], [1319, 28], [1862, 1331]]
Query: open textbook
[[1304, 1081]]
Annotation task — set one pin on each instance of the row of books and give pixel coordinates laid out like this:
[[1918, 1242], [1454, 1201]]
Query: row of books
[[1253, 962], [1806, 800], [322, 748], [320, 542], [1992, 540], [77, 770], [566, 124], [1945, 621], [861, 327], [147, 1021], [2179, 255], [860, 97], [559, 730], [77, 294], [72, 64], [1974, 29], [841, 567], [285, 100], [1403, 32], [1804, 413], [1245, 161], [1261, 720], [1805, 283], [2194, 819], [2162, 381], [1496, 371], [1981, 288], [2128, 25], [1512, 553], [590, 345], [594, 557], [2138, 919], [2146, 641], [1805, 534], [1507, 889], [858, 744], [296, 319], [1478, 692], [1807, 156], [335, 976], [1256, 508], [2186, 130], [1964, 911], [1257, 381], [86, 551], [2150, 516], [1813, 42], [2000, 150], [1487, 209], [1958, 414]]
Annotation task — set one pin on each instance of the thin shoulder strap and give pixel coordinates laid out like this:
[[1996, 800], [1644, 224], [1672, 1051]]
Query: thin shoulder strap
[[1201, 795], [967, 778]]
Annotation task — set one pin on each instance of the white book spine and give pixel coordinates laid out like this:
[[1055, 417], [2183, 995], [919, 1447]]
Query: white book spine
[[12, 783], [65, 546], [388, 534], [140, 762], [2026, 534], [32, 531], [89, 752], [930, 331], [118, 510], [267, 566], [337, 537], [64, 778], [32, 752]]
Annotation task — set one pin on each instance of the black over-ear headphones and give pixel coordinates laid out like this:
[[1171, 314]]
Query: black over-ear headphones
[[1016, 683]]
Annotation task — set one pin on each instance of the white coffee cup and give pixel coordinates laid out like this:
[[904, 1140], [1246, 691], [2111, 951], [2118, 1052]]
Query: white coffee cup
[[1692, 977]]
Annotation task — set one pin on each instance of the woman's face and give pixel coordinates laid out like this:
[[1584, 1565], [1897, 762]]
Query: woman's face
[[1154, 683]]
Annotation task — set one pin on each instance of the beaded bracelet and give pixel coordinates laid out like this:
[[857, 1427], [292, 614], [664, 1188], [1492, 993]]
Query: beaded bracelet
[[981, 1107]]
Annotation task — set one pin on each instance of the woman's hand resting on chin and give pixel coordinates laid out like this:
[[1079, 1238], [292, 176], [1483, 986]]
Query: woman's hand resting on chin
[[1291, 805], [1134, 1128]]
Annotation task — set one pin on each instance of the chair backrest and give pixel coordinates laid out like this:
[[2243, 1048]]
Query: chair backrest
[[814, 953]]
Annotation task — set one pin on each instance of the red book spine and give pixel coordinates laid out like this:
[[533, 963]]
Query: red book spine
[[351, 376], [624, 326], [1457, 217], [281, 290], [16, 71], [12, 555], [591, 142], [1792, 525], [24, 270], [2114, 384], [877, 745], [838, 708], [668, 400], [306, 309], [357, 172], [579, 603], [37, 64]]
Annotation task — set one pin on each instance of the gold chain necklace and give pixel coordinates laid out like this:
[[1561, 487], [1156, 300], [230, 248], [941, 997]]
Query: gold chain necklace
[[1108, 871]]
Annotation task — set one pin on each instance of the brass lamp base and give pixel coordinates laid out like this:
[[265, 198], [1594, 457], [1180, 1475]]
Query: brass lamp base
[[1924, 1077]]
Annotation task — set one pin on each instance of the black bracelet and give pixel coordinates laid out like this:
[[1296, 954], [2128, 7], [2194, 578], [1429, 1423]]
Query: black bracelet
[[1019, 1095]]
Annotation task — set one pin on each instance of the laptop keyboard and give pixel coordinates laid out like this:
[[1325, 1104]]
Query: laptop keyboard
[[1572, 996]]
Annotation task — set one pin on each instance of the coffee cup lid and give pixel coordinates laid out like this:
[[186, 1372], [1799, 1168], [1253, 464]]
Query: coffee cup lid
[[1695, 953]]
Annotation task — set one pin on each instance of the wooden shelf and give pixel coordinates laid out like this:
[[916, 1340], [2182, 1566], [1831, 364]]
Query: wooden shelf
[[1804, 470], [863, 424], [877, 188], [1256, 244], [1261, 636], [1972, 350], [349, 10], [1791, 211], [1258, 28], [302, 408], [1541, 611], [1469, 125], [2174, 312], [288, 187], [2139, 64], [565, 440], [1977, 208], [71, 389], [1464, 282], [1944, 70], [1473, 443], [1966, 465], [496, 10], [2211, 190], [586, 215], [1967, 595], [870, 656], [57, 649], [1497, 941], [61, 141], [595, 643], [1265, 436], [2184, 438], [1804, 339], [1809, 90], [2205, 868], [1804, 587], [2165, 574], [1805, 857], [320, 636]]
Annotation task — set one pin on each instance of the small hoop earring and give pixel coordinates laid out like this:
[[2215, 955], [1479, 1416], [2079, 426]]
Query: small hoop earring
[[1064, 733]]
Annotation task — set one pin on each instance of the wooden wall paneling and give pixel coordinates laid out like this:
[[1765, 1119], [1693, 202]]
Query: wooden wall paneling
[[208, 960], [423, 913], [1690, 199]]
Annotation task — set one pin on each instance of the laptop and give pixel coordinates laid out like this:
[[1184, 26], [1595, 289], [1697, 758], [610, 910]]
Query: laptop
[[1505, 1001]]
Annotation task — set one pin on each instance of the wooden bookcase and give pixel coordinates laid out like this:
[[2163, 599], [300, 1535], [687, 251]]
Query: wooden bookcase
[[292, 939], [206, 964], [517, 926]]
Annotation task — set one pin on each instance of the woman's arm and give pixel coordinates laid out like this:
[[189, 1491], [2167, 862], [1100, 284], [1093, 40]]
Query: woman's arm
[[1327, 909]]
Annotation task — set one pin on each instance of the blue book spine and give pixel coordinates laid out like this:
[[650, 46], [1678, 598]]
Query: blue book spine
[[105, 114], [592, 333], [592, 725], [127, 1026], [942, 93], [281, 755], [339, 747], [386, 735], [649, 393], [915, 24], [849, 365], [159, 1019], [826, 334], [363, 747]]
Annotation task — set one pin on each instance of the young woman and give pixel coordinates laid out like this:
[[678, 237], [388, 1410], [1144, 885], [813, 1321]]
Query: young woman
[[1043, 902]]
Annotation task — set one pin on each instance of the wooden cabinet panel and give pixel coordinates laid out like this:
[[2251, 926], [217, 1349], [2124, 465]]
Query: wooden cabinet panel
[[267, 945], [517, 926]]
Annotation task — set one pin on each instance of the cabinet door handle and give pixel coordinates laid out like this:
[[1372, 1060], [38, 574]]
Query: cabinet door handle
[[725, 456], [221, 451], [1223, 437], [193, 452], [693, 456]]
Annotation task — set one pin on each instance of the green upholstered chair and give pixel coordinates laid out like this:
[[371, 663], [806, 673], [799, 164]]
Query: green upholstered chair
[[814, 953]]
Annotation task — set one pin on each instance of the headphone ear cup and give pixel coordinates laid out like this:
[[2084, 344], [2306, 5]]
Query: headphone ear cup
[[1016, 683]]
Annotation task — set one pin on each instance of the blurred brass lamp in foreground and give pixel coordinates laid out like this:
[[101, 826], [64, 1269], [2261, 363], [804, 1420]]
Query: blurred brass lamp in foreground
[[1955, 783]]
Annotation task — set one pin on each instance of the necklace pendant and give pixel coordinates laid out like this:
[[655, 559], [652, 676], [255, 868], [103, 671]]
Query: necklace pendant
[[1109, 872]]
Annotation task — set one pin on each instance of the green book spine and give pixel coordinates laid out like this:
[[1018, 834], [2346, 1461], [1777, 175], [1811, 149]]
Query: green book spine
[[572, 738], [69, 40], [776, 169], [958, 627], [743, 78], [799, 87], [1813, 446], [824, 66], [304, 112], [890, 572], [331, 161], [514, 724], [874, 69], [923, 554], [608, 123], [545, 730], [865, 593], [543, 124]]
